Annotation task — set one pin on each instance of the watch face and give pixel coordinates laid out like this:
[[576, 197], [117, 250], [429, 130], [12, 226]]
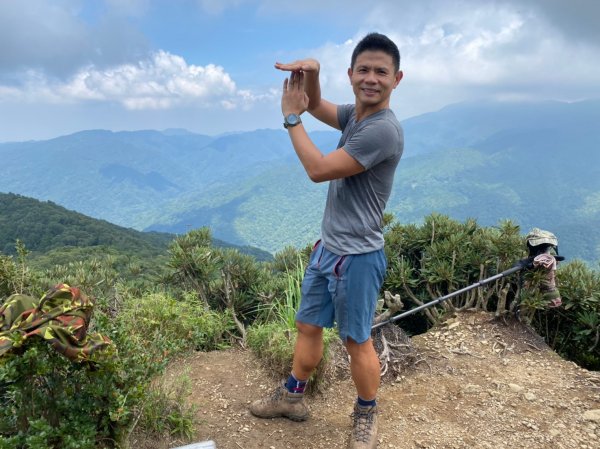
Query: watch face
[[292, 119]]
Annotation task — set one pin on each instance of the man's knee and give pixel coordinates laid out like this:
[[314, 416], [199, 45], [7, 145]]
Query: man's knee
[[309, 330], [358, 349]]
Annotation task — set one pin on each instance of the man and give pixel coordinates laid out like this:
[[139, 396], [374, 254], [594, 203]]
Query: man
[[347, 266]]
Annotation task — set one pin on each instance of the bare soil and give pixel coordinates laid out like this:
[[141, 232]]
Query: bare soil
[[478, 382]]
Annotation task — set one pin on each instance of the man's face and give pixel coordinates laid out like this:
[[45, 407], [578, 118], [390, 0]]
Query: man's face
[[373, 78]]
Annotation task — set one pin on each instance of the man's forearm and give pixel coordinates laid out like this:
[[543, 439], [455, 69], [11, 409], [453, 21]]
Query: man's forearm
[[310, 156], [312, 87]]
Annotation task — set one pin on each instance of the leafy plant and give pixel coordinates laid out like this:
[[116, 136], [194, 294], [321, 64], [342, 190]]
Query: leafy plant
[[166, 411], [45, 397], [443, 255], [168, 326], [8, 276], [573, 330]]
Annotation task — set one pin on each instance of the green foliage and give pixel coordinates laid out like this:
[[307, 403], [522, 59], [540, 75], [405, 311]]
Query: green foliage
[[169, 326], [223, 278], [8, 276], [49, 401], [273, 343], [443, 255], [107, 401], [167, 411], [289, 259], [573, 330], [46, 226], [283, 307], [96, 277], [15, 277]]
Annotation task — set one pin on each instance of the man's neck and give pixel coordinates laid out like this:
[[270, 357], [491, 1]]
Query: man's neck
[[362, 112]]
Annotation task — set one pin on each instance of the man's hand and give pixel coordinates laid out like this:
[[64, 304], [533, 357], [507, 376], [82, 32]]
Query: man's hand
[[309, 70], [302, 65], [294, 100]]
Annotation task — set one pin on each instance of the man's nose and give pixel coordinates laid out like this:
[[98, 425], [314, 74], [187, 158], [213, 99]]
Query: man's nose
[[370, 78]]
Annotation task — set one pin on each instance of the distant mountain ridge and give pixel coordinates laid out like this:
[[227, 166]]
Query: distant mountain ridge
[[535, 163]]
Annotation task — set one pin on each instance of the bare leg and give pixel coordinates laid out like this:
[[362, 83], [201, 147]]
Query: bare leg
[[364, 367], [308, 351]]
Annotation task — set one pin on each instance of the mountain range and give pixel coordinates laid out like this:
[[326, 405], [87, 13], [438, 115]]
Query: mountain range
[[537, 164]]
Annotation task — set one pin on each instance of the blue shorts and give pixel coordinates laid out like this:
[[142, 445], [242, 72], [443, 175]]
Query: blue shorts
[[342, 290]]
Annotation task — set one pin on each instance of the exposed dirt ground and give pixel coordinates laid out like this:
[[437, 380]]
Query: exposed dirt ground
[[481, 383]]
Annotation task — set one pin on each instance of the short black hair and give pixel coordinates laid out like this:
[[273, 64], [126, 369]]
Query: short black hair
[[375, 42]]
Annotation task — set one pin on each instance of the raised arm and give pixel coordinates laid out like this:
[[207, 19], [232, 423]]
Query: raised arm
[[319, 108], [319, 167]]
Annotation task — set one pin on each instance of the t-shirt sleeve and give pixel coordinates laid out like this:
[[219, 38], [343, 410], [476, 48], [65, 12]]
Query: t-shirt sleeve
[[344, 112], [375, 143]]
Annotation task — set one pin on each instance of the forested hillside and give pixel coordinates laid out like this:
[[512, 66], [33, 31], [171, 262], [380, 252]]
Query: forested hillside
[[44, 227]]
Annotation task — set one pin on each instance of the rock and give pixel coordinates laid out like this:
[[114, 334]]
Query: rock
[[471, 389], [515, 388], [592, 415]]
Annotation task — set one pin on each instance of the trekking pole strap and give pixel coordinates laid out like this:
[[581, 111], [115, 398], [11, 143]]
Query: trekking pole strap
[[450, 295]]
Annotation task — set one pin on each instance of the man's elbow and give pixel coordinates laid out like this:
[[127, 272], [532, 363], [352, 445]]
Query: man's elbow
[[317, 176]]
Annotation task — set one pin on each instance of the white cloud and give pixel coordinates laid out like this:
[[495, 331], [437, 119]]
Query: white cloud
[[470, 50], [161, 82]]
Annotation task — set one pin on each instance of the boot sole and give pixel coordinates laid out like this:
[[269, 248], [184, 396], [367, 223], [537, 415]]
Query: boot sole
[[295, 418]]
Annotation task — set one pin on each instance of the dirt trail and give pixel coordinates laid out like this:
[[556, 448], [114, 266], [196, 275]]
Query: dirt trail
[[481, 383]]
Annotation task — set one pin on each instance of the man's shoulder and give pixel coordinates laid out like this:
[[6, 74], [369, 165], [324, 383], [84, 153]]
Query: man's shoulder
[[386, 122], [346, 110], [390, 118]]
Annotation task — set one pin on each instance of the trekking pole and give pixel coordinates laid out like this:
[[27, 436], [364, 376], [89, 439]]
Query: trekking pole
[[514, 269], [539, 243]]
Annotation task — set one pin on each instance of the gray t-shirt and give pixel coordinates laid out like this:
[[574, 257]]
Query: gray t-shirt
[[352, 222]]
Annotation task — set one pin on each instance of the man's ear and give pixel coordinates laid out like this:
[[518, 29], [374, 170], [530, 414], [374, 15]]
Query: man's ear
[[350, 74], [399, 76]]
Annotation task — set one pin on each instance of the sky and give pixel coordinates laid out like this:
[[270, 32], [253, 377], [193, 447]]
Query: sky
[[207, 65]]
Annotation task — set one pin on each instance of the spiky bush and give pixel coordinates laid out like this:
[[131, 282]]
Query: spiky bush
[[443, 255]]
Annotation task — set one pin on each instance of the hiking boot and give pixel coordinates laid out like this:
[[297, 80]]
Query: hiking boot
[[364, 428], [281, 403]]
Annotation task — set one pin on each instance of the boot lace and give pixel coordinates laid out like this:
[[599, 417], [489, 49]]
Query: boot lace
[[277, 395], [362, 423]]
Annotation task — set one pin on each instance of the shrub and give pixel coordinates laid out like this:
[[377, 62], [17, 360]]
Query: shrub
[[167, 325], [573, 330], [15, 277], [443, 255], [8, 277], [221, 278], [45, 396], [166, 411], [49, 401]]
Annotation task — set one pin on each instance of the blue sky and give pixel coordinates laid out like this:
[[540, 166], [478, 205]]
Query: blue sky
[[207, 65]]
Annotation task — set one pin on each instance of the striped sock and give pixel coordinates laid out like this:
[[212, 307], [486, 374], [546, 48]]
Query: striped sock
[[294, 385]]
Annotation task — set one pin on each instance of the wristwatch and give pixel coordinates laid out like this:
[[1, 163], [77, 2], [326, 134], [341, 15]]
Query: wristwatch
[[291, 120]]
